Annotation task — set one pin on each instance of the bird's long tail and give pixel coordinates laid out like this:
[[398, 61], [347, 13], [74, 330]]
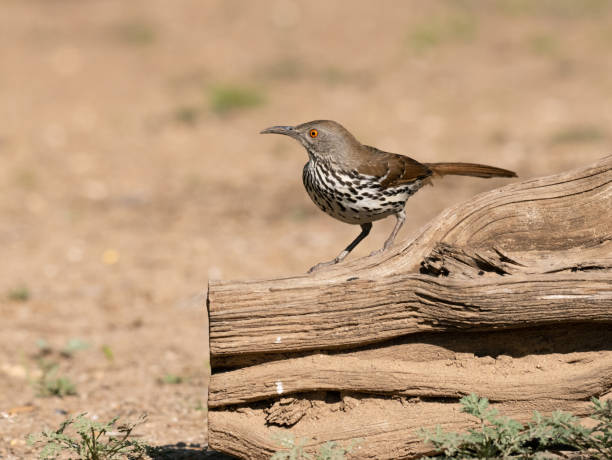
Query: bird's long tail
[[468, 169]]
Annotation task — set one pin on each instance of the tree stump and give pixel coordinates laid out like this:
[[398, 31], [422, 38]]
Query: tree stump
[[508, 295]]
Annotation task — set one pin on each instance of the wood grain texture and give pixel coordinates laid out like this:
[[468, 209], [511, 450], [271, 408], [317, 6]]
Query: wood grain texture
[[350, 313], [553, 339], [568, 381]]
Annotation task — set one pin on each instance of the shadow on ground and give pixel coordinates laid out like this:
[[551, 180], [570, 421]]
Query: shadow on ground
[[184, 451]]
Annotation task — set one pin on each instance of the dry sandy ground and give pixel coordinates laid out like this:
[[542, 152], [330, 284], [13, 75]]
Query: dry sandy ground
[[132, 170]]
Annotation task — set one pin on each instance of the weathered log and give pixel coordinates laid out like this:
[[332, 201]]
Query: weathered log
[[357, 312], [508, 295], [390, 377]]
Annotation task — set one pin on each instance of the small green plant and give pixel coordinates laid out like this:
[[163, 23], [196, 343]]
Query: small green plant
[[199, 406], [293, 449], [108, 353], [578, 134], [72, 346], [563, 428], [187, 114], [135, 32], [49, 383], [543, 45], [334, 75], [283, 69], [331, 450], [228, 98], [67, 351], [43, 347], [171, 379], [438, 31], [549, 9], [503, 437], [19, 294], [90, 440]]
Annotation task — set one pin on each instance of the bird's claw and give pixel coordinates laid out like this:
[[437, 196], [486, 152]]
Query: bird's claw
[[323, 264]]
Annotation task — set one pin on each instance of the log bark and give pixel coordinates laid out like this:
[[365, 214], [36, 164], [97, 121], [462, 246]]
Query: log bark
[[508, 295]]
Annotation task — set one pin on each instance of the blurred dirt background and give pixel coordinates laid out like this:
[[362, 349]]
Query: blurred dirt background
[[132, 171]]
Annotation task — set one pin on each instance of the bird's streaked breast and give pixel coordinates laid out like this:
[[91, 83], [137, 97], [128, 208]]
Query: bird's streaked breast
[[352, 197]]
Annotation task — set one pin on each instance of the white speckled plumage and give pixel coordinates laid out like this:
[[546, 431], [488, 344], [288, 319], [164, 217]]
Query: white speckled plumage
[[352, 197]]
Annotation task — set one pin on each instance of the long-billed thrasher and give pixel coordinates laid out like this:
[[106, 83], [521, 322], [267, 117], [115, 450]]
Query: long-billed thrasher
[[359, 184]]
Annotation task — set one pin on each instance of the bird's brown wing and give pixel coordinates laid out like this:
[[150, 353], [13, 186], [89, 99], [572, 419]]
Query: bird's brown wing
[[391, 168]]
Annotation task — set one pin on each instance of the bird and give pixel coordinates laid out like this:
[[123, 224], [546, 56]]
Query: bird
[[359, 184]]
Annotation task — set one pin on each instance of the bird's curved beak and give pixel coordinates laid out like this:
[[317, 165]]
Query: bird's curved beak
[[286, 130]]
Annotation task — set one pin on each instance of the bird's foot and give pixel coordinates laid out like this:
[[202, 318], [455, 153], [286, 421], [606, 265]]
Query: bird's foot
[[324, 264], [378, 251], [381, 250]]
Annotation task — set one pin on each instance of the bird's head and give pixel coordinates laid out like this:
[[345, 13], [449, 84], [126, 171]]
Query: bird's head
[[321, 138]]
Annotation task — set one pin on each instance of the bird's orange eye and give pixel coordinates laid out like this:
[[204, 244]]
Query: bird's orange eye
[[313, 133]]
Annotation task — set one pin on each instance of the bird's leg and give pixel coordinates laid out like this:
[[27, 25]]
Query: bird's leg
[[401, 218], [365, 230]]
